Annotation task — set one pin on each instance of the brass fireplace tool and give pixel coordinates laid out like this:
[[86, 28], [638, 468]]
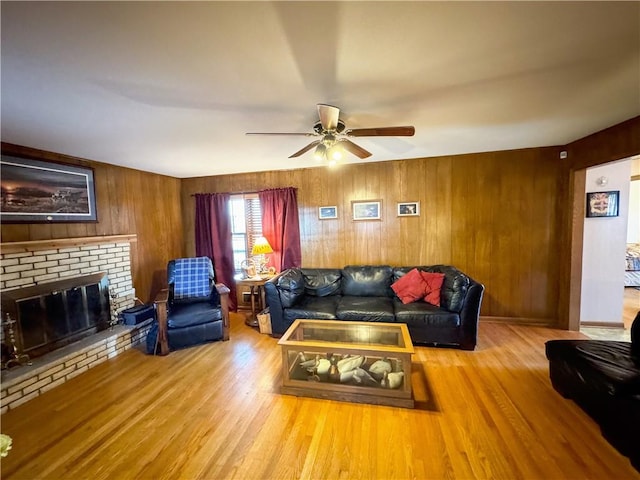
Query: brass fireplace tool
[[14, 357]]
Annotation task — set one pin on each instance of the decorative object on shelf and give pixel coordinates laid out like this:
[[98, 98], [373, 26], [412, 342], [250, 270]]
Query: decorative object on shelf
[[248, 267], [35, 191], [354, 370], [328, 212], [324, 365], [259, 250], [409, 209], [366, 209], [14, 357], [603, 204], [334, 374], [379, 368], [350, 363], [392, 380], [362, 377]]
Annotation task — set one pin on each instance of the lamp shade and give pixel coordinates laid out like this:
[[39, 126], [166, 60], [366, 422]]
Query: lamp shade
[[261, 247]]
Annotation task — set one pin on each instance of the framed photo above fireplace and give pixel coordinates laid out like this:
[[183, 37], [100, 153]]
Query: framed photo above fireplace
[[36, 191]]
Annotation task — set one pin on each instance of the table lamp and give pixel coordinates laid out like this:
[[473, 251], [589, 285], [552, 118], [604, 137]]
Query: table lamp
[[259, 250]]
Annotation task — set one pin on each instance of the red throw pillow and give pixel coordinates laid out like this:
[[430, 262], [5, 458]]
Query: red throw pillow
[[433, 283], [410, 287]]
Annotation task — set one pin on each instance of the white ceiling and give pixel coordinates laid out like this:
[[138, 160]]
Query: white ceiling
[[172, 87]]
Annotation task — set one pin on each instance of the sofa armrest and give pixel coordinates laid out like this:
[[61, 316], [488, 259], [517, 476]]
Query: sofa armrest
[[470, 315], [160, 304], [276, 310], [223, 292]]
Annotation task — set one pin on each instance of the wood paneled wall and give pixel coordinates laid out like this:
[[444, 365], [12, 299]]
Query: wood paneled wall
[[128, 202], [493, 215], [615, 143], [506, 218]]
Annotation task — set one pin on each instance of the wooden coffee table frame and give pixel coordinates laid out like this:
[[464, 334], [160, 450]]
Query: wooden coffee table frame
[[292, 343]]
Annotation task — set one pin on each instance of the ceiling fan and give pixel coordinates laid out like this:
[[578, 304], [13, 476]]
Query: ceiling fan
[[334, 136]]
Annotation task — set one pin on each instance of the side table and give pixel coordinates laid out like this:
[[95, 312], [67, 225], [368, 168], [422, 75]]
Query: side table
[[256, 286]]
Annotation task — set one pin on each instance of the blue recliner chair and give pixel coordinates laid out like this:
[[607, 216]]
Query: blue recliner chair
[[192, 310]]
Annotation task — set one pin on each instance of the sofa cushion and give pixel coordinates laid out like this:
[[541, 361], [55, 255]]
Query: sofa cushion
[[410, 287], [290, 287], [422, 313], [366, 309], [320, 282], [367, 281], [433, 286], [320, 308], [189, 314], [454, 288], [606, 366]]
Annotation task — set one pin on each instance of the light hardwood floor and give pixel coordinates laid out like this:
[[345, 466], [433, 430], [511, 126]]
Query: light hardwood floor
[[631, 306], [214, 412]]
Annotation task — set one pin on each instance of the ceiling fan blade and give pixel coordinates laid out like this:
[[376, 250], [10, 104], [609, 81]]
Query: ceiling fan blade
[[408, 131], [282, 133], [306, 149], [328, 116], [355, 149]]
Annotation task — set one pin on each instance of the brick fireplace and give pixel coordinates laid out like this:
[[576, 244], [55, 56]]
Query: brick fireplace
[[24, 265]]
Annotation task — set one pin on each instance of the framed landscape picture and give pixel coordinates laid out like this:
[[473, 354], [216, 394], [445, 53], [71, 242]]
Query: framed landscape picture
[[35, 191], [367, 209], [409, 209], [328, 212], [603, 204]]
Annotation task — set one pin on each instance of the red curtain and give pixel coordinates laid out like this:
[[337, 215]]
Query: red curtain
[[281, 226], [213, 238]]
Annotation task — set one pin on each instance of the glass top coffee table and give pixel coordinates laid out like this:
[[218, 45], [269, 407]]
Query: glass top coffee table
[[365, 362]]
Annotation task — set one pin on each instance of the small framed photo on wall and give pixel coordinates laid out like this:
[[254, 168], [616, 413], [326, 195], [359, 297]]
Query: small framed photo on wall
[[603, 204], [409, 209], [325, 213], [366, 209]]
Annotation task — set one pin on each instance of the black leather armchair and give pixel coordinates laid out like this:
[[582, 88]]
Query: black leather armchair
[[603, 378], [201, 315]]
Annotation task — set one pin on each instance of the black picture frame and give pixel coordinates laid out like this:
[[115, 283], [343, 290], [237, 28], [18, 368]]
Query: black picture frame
[[603, 204], [37, 191]]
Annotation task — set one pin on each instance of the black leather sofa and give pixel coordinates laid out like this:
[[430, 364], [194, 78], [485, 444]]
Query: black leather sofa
[[364, 293], [603, 378]]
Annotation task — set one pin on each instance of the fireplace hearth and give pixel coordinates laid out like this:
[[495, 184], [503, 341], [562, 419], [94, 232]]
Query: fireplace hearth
[[54, 314], [34, 263]]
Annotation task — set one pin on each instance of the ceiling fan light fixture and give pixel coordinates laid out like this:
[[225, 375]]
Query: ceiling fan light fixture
[[320, 152], [335, 153], [333, 138]]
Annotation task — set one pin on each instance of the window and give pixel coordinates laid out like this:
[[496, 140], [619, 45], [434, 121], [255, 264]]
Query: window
[[246, 227]]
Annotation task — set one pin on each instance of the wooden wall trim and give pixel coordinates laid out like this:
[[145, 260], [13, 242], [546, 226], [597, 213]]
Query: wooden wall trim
[[588, 323], [534, 322], [577, 212], [14, 247], [614, 143]]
